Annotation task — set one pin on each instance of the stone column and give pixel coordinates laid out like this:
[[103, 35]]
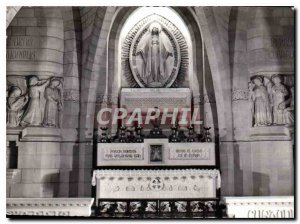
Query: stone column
[[39, 161], [35, 43]]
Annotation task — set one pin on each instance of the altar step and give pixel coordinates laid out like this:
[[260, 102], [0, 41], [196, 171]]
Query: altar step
[[271, 207], [48, 207]]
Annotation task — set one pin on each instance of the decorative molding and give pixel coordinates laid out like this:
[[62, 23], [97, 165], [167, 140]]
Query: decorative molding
[[114, 174], [260, 207], [287, 76], [71, 95], [240, 94], [204, 98], [49, 206], [155, 97], [41, 134], [163, 184], [145, 102], [107, 99]]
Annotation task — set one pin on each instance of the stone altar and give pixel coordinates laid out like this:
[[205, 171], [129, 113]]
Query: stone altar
[[49, 206], [150, 184]]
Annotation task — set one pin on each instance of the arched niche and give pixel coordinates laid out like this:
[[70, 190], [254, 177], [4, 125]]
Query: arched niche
[[125, 18]]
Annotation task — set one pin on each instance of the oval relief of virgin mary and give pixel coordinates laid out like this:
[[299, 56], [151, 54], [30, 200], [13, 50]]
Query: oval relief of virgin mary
[[154, 56]]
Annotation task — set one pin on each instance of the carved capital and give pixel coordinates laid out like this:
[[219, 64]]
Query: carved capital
[[107, 99], [240, 94], [71, 95], [204, 98]]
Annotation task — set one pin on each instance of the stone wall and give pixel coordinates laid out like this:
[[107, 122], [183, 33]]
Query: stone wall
[[270, 40], [80, 46], [35, 42]]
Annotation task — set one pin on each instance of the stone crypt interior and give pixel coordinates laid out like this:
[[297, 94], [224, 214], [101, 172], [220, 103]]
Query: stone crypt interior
[[233, 65]]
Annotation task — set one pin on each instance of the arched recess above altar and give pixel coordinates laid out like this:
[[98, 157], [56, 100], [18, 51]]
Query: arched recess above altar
[[131, 47]]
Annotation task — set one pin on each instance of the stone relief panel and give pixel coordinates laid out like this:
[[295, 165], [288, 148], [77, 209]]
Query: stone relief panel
[[272, 100], [16, 101], [154, 54], [144, 184], [33, 102], [154, 57]]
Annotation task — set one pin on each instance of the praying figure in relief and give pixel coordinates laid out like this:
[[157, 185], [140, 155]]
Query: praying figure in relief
[[288, 112], [53, 104], [15, 104]]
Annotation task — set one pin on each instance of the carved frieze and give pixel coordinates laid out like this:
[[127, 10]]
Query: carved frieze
[[49, 206], [204, 98], [185, 183], [260, 207], [156, 97], [240, 94], [33, 102], [107, 99], [71, 95]]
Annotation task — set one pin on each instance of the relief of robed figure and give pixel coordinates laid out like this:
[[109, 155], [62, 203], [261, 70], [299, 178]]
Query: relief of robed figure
[[35, 111], [279, 103], [261, 108], [154, 52], [53, 104], [289, 116], [15, 106]]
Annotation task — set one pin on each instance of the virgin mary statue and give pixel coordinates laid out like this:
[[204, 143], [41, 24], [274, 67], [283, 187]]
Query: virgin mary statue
[[154, 54]]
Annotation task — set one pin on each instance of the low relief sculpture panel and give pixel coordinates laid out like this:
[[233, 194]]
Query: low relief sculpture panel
[[154, 54], [261, 107], [272, 101], [53, 104], [38, 105], [34, 113], [15, 106]]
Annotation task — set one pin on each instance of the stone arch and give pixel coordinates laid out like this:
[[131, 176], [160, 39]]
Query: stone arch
[[189, 17], [94, 63], [215, 41], [120, 18], [11, 12], [214, 28], [237, 38], [95, 31]]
